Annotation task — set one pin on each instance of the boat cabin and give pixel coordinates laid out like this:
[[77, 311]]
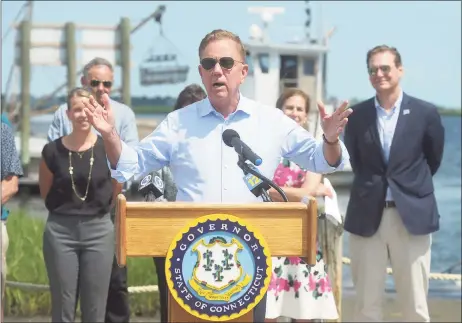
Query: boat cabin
[[274, 67]]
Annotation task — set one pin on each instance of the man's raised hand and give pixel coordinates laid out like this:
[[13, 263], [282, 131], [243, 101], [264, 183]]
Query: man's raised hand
[[333, 124], [100, 116]]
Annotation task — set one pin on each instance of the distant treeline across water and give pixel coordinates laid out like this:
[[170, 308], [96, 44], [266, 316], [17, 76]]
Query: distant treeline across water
[[164, 104]]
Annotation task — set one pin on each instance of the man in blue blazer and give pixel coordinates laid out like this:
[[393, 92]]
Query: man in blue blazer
[[395, 142]]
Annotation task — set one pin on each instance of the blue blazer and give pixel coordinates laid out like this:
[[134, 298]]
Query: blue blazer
[[415, 156]]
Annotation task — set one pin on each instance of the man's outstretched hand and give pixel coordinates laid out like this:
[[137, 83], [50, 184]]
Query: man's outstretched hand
[[333, 124], [100, 116]]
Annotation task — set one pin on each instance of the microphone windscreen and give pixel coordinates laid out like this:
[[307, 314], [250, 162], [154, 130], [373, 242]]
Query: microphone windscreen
[[228, 136]]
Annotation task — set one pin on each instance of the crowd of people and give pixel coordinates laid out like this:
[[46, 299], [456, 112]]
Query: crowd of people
[[94, 148]]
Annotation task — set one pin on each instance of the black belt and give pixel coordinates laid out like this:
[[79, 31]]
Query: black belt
[[389, 204]]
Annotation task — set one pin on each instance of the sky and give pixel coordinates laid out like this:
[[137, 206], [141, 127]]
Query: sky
[[426, 33]]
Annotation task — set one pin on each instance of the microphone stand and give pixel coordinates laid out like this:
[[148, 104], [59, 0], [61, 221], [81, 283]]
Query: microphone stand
[[150, 197], [264, 194]]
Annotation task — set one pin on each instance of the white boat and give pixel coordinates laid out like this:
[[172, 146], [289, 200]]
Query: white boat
[[276, 66]]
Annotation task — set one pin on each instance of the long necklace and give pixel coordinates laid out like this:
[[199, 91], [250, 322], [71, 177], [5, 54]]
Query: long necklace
[[80, 154], [71, 172]]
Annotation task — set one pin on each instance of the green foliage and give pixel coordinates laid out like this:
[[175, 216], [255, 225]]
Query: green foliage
[[450, 112], [25, 264], [152, 109], [444, 111]]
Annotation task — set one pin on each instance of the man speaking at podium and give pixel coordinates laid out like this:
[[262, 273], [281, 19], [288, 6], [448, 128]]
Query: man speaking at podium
[[189, 140]]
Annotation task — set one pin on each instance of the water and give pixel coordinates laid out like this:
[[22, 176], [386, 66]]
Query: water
[[446, 248]]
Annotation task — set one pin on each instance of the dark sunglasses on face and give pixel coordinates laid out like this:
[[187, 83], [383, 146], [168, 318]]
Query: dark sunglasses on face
[[384, 68], [95, 83], [225, 62]]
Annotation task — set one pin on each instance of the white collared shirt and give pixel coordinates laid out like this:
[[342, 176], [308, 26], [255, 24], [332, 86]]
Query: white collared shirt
[[386, 125]]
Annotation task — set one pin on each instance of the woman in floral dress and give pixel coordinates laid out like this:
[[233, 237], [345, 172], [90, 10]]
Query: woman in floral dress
[[297, 290]]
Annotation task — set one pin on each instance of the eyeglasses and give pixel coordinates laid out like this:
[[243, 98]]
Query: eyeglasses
[[226, 62], [95, 83], [384, 68]]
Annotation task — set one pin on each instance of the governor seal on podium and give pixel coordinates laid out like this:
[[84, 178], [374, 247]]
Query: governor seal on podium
[[218, 267]]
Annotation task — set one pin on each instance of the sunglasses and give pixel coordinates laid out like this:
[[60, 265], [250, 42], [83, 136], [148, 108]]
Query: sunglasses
[[384, 68], [225, 62], [106, 84]]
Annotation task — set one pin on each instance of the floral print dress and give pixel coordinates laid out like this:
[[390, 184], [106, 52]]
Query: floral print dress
[[297, 290]]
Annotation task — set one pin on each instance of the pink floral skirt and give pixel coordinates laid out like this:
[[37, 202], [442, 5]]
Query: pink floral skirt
[[300, 291]]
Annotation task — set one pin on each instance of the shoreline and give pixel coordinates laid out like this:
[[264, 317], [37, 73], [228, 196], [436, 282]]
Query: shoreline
[[441, 310]]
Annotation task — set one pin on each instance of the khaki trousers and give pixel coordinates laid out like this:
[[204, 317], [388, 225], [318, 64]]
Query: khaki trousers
[[410, 257]]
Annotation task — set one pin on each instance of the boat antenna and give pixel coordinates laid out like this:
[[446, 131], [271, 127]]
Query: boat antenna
[[266, 15], [308, 21]]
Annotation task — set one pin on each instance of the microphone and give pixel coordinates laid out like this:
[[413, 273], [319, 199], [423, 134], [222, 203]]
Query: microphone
[[231, 138], [151, 187], [258, 184], [254, 183]]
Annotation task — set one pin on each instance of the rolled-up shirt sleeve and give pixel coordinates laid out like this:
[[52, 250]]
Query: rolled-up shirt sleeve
[[150, 154], [303, 149]]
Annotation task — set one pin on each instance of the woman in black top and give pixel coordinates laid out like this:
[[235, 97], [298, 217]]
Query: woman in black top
[[78, 241]]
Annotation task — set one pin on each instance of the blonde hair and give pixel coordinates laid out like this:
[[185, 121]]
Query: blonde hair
[[77, 92], [219, 34]]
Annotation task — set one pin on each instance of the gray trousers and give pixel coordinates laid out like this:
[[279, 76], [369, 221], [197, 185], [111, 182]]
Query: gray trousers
[[78, 253]]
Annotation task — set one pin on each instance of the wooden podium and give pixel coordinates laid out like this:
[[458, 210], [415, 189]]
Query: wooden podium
[[146, 229]]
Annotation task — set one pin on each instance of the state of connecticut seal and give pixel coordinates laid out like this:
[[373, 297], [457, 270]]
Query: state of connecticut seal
[[218, 267]]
